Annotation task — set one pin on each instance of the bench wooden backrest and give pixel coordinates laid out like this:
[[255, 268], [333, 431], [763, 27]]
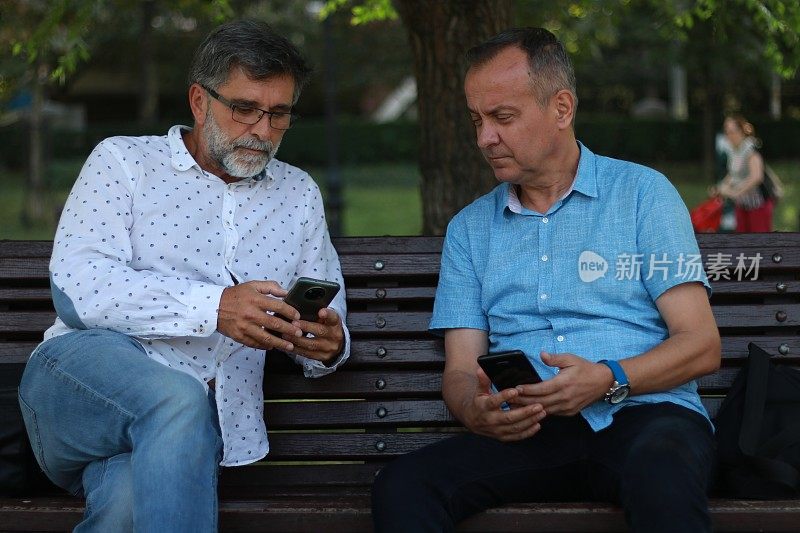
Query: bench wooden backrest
[[339, 430]]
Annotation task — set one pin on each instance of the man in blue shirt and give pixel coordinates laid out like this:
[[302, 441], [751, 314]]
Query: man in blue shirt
[[589, 266]]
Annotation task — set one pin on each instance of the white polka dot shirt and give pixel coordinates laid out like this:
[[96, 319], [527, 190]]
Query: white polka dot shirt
[[148, 241]]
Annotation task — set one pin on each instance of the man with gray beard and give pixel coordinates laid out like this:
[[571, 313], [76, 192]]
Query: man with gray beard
[[169, 267]]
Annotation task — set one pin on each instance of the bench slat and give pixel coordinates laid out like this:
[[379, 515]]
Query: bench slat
[[415, 352], [358, 384], [33, 294], [379, 266], [384, 265], [22, 268], [727, 316], [429, 354], [359, 415], [788, 288], [387, 384], [417, 244], [387, 245], [339, 511], [271, 476], [416, 322], [346, 446], [424, 294], [356, 414]]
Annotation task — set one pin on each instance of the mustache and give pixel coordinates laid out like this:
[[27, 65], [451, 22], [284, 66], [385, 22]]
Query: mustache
[[254, 144]]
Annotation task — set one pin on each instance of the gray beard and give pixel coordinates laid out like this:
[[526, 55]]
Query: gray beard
[[237, 163]]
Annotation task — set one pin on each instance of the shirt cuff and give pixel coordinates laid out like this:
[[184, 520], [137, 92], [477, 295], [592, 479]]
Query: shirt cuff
[[315, 369], [204, 308]]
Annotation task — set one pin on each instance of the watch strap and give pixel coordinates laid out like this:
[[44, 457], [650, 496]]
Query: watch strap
[[619, 374]]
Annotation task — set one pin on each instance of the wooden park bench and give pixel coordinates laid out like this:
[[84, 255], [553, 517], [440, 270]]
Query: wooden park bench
[[330, 436]]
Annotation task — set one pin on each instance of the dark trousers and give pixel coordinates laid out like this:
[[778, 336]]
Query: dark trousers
[[654, 460]]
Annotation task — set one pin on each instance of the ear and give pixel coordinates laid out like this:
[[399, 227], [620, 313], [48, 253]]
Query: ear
[[198, 103], [564, 103]]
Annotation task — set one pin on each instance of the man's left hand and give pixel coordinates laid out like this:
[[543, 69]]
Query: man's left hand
[[577, 384], [328, 337]]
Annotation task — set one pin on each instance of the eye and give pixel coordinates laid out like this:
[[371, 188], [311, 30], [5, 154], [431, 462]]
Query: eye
[[245, 111], [503, 117]]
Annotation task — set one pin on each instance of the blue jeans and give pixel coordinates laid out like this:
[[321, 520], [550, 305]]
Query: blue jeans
[[138, 439], [655, 460]]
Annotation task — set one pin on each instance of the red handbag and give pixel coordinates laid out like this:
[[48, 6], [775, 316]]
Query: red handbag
[[707, 215]]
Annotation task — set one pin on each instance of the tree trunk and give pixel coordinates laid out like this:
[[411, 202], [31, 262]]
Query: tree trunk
[[148, 98], [453, 171], [34, 206]]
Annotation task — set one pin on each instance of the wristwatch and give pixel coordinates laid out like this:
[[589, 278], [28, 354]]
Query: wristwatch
[[621, 388]]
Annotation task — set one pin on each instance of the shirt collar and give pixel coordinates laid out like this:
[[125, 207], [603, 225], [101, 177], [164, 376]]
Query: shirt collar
[[586, 177], [585, 181], [182, 160]]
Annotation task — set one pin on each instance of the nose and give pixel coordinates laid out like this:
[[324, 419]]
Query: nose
[[487, 136], [262, 129]]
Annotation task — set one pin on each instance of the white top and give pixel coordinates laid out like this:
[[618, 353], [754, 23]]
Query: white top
[[148, 241], [739, 171]]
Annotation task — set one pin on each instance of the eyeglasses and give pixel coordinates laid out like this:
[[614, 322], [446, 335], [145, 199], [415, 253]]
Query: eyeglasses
[[279, 120]]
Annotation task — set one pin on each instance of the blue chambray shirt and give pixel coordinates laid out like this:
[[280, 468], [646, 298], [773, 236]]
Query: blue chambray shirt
[[582, 278]]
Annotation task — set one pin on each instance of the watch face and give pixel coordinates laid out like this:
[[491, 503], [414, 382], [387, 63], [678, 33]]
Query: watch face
[[620, 394]]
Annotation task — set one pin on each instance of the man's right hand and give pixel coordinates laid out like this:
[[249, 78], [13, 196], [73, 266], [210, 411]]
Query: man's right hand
[[243, 315], [484, 415]]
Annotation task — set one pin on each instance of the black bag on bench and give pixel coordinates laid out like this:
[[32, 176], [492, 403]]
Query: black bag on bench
[[758, 431]]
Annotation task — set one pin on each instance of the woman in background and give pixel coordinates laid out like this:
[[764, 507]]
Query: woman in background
[[745, 175]]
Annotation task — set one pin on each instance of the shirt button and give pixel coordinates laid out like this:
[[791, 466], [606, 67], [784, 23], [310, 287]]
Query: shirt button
[[543, 297], [545, 220], [560, 338], [544, 258]]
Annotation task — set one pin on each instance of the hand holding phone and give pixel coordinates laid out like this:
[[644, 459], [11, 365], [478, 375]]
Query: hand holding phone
[[309, 295], [508, 369]]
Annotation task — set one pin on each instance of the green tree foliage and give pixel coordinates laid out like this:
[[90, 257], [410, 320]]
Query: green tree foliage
[[361, 12], [587, 25], [60, 34], [49, 39]]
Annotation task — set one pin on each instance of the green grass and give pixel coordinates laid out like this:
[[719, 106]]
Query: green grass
[[378, 199]]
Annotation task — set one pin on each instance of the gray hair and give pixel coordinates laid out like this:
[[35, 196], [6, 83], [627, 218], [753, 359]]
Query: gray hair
[[551, 69], [252, 46]]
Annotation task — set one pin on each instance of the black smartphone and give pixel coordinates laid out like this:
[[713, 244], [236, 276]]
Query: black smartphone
[[309, 295], [508, 369]]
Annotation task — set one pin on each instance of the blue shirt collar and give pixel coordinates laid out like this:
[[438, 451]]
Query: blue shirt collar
[[586, 177], [585, 182]]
